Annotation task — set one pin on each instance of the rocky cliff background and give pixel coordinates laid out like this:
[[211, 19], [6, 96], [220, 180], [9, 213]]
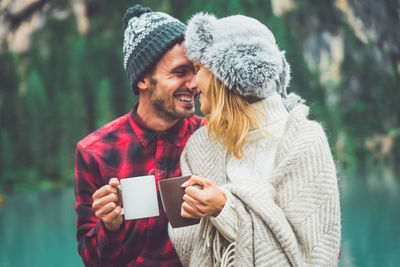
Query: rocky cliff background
[[61, 76]]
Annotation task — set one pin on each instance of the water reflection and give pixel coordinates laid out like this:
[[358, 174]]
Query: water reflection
[[370, 220], [38, 229]]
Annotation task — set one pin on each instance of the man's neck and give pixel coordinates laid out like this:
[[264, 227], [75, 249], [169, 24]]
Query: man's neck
[[154, 121]]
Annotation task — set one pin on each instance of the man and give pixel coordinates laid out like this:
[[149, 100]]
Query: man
[[148, 140]]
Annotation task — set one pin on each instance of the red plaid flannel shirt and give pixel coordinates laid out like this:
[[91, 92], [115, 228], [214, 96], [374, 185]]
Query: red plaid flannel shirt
[[126, 148]]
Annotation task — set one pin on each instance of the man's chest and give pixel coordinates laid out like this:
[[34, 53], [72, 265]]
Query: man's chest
[[160, 158]]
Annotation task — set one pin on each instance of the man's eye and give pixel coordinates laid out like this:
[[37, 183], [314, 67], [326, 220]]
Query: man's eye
[[180, 73], [183, 72]]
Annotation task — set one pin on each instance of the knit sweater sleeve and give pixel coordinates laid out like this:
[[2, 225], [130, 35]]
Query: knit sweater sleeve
[[226, 221]]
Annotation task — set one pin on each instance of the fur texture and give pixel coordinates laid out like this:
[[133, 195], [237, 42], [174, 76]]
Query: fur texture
[[241, 52]]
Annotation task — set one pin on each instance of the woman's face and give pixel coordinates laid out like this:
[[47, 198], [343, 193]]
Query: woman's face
[[202, 80]]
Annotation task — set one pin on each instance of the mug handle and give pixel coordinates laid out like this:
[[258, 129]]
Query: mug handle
[[120, 189]]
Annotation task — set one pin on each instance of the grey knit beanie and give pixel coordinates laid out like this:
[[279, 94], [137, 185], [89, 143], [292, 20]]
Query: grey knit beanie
[[148, 35], [242, 53]]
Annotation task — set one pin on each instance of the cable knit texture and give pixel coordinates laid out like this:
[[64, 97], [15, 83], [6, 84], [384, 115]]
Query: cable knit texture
[[290, 219]]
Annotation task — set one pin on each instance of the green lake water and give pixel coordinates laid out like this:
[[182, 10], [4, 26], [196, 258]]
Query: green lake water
[[38, 229]]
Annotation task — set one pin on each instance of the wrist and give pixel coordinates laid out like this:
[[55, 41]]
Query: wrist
[[112, 227], [221, 204], [109, 241]]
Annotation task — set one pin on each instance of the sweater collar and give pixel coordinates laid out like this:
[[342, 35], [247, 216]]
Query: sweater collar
[[273, 109]]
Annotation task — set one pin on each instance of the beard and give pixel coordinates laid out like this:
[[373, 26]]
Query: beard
[[164, 103]]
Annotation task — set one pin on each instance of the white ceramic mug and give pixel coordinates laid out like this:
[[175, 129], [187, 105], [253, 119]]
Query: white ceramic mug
[[139, 197]]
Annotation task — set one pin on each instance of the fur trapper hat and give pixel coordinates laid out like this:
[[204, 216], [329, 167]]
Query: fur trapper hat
[[242, 53]]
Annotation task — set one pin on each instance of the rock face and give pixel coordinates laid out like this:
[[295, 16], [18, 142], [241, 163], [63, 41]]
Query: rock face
[[376, 23]]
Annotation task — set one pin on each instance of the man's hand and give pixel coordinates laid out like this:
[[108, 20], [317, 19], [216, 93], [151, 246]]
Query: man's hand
[[199, 203], [106, 205]]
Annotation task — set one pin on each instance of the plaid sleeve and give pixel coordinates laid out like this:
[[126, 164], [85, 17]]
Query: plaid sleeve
[[96, 245]]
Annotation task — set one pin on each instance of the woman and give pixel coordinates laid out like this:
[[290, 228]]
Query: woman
[[270, 195]]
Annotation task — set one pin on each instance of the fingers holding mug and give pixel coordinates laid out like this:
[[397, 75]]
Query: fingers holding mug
[[106, 205]]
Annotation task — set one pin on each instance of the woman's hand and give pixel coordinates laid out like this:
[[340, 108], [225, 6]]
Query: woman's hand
[[199, 203]]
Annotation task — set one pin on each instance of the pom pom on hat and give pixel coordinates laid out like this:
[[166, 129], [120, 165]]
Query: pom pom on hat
[[134, 11]]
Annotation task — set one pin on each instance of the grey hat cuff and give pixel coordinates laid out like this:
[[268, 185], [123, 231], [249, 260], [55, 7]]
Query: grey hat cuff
[[155, 47], [292, 100]]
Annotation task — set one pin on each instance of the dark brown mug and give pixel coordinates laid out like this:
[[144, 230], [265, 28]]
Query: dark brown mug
[[172, 198]]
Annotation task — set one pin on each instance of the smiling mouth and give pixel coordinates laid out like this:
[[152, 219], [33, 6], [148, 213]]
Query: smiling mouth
[[187, 99]]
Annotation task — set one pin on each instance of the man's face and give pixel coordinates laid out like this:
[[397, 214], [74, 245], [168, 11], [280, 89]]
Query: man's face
[[172, 93]]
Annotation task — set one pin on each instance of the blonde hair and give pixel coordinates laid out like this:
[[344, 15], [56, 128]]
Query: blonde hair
[[230, 117]]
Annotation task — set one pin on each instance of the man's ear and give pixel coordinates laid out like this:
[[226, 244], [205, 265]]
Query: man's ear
[[144, 82]]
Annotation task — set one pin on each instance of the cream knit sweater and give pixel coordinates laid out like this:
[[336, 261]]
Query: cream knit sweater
[[290, 219]]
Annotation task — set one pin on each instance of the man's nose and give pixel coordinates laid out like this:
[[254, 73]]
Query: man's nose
[[191, 85]]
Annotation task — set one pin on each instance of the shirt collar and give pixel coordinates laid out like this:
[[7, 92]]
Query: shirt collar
[[174, 134]]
